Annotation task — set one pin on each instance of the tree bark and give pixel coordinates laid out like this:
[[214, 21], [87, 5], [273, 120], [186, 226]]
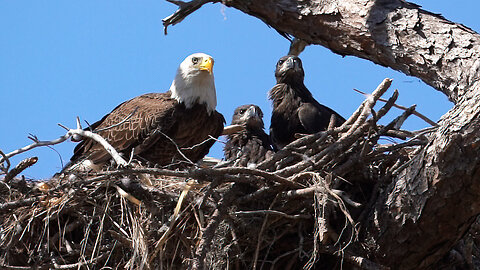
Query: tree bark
[[430, 205]]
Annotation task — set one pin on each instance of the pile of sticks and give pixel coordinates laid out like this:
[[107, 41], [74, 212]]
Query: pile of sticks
[[300, 209]]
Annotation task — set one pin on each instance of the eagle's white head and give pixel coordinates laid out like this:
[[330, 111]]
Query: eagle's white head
[[194, 82]]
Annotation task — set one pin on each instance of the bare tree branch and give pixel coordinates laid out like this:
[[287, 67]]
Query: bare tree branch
[[71, 132], [185, 9]]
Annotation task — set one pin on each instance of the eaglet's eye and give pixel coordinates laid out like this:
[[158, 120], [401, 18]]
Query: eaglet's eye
[[195, 60]]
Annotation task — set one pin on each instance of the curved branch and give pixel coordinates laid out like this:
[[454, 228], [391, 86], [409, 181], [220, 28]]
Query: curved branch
[[393, 33]]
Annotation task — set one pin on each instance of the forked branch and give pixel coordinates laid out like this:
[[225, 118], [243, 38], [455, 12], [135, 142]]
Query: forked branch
[[77, 132]]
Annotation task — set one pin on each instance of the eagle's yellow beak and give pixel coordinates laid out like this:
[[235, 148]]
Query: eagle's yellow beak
[[207, 64]]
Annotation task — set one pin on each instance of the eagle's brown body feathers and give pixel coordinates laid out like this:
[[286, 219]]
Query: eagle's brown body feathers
[[153, 121], [160, 128]]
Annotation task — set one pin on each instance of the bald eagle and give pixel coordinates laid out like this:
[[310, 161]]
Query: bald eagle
[[250, 145], [294, 108], [162, 128]]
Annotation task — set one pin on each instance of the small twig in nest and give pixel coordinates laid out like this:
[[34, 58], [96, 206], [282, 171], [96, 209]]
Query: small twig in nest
[[174, 218], [80, 264], [209, 231], [360, 126], [262, 229], [306, 192], [416, 113], [321, 227], [398, 121], [34, 138], [369, 104], [178, 148], [362, 263], [272, 212], [20, 168], [5, 207]]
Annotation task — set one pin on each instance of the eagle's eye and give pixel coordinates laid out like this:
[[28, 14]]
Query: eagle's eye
[[195, 60], [280, 62], [242, 111]]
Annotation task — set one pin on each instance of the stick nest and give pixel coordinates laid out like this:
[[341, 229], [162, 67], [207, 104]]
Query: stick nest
[[299, 209]]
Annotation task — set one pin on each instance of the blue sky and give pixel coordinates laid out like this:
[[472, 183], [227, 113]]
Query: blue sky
[[62, 59]]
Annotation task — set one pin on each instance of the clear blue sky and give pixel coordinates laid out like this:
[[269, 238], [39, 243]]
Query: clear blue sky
[[62, 59]]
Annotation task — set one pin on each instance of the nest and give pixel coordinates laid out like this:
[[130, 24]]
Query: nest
[[299, 209]]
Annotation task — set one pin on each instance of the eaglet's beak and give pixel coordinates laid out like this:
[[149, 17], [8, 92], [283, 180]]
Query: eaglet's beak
[[252, 117], [291, 64], [252, 112], [207, 64]]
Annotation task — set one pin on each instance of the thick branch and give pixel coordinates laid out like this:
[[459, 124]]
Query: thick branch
[[434, 199], [391, 33]]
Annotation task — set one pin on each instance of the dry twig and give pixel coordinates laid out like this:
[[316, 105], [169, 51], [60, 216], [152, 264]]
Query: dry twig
[[71, 132], [421, 116], [20, 168]]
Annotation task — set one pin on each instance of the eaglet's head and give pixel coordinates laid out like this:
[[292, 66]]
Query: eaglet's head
[[249, 116], [289, 68], [194, 82]]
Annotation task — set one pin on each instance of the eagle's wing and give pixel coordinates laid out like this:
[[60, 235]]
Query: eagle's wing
[[311, 118], [137, 123], [316, 117]]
